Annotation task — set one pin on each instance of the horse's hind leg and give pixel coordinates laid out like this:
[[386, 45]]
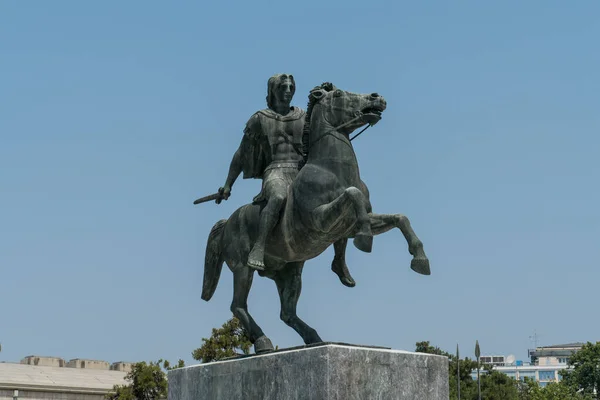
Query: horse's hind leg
[[242, 281], [381, 223], [289, 286]]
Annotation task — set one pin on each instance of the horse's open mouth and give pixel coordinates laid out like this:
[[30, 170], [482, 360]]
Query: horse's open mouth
[[372, 110], [372, 114]]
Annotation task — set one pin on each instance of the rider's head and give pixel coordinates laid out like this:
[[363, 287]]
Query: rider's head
[[280, 90]]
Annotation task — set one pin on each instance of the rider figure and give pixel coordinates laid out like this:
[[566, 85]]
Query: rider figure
[[271, 149]]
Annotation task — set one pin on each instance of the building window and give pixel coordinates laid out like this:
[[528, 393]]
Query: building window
[[527, 374], [547, 375]]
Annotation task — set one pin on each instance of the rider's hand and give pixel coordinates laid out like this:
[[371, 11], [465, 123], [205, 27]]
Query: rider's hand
[[225, 192]]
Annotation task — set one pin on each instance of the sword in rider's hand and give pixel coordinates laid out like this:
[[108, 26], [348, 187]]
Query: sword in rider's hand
[[218, 197]]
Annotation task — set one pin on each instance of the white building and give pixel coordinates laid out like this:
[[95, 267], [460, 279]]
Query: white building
[[51, 378], [554, 355], [544, 367]]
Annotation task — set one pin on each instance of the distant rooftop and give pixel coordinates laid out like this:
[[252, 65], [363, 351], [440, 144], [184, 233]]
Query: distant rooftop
[[23, 376], [562, 346], [557, 350], [44, 361]]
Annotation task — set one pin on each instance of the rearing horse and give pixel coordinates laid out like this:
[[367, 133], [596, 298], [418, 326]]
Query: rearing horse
[[327, 203]]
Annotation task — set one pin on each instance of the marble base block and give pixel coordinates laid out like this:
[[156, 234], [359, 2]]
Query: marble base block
[[320, 372]]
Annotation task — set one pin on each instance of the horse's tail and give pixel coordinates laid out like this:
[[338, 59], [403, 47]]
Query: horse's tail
[[213, 260]]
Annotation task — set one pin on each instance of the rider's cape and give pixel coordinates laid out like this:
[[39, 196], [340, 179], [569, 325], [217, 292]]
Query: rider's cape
[[260, 132]]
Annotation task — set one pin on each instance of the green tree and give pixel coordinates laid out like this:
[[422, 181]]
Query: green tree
[[227, 341], [560, 391], [148, 381], [498, 386], [584, 373], [531, 390], [426, 347], [494, 384], [528, 389], [121, 392], [468, 387], [167, 365]]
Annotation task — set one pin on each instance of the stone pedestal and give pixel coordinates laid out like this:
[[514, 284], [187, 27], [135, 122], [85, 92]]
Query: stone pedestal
[[325, 371]]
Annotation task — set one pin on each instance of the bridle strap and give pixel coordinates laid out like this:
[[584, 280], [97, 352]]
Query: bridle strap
[[330, 132]]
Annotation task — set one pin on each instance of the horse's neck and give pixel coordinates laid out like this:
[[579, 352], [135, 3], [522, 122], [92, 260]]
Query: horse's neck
[[333, 151]]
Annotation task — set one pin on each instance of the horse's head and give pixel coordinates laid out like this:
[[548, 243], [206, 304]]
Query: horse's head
[[344, 111]]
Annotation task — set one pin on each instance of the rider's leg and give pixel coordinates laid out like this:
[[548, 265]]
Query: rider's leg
[[275, 191], [339, 263]]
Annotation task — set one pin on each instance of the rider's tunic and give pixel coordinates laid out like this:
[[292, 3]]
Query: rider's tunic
[[261, 135]]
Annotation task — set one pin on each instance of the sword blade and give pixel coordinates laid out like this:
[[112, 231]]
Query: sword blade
[[204, 199]]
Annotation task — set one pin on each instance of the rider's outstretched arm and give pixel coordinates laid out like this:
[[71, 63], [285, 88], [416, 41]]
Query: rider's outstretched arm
[[235, 169]]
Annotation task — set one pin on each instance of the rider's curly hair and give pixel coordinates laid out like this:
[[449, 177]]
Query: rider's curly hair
[[272, 84]]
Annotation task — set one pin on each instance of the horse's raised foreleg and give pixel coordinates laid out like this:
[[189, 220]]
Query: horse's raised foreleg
[[381, 223], [289, 286], [242, 281], [348, 209]]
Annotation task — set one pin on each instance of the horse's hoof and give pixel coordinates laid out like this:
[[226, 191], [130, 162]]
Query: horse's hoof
[[364, 243], [341, 270], [347, 281], [262, 345], [420, 265]]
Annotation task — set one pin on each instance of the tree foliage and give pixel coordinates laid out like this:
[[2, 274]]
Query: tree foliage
[[498, 386], [426, 347], [576, 384], [148, 381], [468, 387], [229, 340], [584, 374], [121, 392], [531, 390]]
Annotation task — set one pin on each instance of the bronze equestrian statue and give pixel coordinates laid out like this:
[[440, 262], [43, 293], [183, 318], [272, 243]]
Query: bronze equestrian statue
[[271, 149], [326, 203]]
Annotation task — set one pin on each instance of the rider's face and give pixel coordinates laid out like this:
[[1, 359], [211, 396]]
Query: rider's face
[[285, 91]]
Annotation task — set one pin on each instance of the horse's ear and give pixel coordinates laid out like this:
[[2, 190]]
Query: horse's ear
[[328, 86]]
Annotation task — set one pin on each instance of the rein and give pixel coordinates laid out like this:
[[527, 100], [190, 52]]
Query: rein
[[330, 132], [364, 129]]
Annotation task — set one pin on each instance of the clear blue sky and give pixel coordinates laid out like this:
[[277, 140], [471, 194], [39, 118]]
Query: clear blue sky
[[115, 116]]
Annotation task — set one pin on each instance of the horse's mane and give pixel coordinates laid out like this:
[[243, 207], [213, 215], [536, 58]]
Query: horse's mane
[[312, 100]]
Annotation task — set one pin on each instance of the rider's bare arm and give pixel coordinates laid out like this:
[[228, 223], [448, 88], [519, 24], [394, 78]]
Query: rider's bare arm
[[251, 133], [235, 169]]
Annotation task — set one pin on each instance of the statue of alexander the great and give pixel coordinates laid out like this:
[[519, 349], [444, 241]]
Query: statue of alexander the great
[[271, 149]]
